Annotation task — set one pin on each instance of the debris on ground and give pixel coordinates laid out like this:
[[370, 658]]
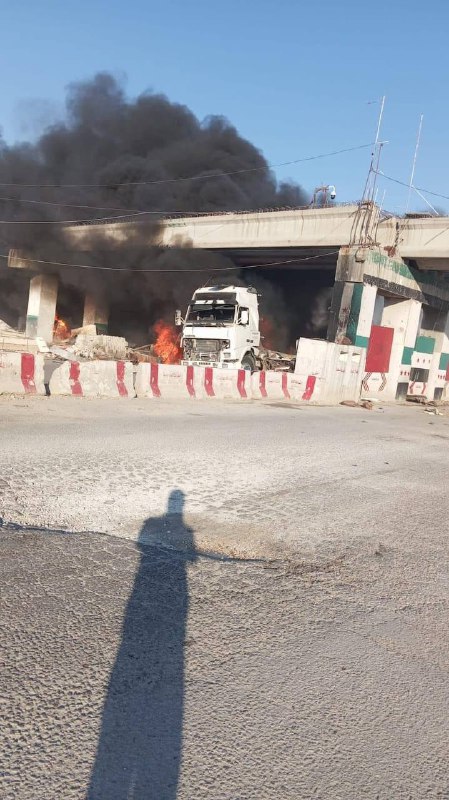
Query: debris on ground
[[143, 354], [366, 404]]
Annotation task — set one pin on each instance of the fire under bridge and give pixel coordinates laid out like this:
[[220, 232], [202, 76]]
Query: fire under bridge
[[406, 258]]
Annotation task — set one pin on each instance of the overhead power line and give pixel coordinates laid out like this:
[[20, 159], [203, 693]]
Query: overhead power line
[[417, 188], [71, 205], [191, 178], [96, 208], [202, 269], [74, 221]]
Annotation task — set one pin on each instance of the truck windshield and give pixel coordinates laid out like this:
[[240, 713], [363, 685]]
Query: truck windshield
[[210, 314]]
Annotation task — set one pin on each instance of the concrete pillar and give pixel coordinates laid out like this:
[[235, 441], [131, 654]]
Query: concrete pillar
[[42, 307], [403, 316], [432, 349], [96, 312], [352, 312]]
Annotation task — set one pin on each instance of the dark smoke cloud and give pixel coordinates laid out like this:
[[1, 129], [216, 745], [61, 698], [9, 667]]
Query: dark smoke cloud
[[108, 140]]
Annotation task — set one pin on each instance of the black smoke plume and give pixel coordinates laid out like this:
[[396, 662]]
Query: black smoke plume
[[130, 154]]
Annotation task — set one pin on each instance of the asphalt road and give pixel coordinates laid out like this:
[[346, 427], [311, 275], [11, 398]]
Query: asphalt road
[[224, 601]]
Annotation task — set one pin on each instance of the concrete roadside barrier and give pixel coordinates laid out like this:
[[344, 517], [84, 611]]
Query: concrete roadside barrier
[[270, 385], [301, 387], [93, 379], [21, 373], [165, 380], [177, 381], [333, 372], [223, 383]]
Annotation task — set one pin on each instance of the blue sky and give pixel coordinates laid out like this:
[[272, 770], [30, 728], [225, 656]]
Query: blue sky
[[295, 77]]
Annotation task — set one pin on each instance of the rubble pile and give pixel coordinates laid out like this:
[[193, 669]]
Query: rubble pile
[[100, 346], [12, 340]]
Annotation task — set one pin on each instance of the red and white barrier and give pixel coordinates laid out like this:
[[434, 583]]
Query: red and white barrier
[[270, 385], [301, 387], [93, 379], [165, 380], [282, 386], [21, 373], [334, 372], [223, 383], [325, 372]]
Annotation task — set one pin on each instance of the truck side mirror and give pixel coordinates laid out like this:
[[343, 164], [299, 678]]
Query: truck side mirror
[[244, 316], [178, 318]]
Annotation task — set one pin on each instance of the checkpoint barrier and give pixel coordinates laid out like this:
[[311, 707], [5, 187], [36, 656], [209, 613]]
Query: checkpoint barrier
[[282, 386], [21, 373], [335, 370], [325, 372], [164, 380], [177, 381], [93, 379], [223, 383]]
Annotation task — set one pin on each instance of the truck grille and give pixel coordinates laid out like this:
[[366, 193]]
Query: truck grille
[[207, 346]]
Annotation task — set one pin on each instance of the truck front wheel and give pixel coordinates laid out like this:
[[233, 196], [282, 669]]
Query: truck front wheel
[[249, 362]]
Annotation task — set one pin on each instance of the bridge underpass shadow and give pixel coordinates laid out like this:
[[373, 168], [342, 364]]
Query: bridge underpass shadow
[[139, 749]]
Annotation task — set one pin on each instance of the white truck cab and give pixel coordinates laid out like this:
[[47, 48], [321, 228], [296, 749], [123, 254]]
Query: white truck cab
[[221, 328]]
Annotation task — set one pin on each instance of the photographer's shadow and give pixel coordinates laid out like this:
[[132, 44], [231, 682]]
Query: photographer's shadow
[[139, 750]]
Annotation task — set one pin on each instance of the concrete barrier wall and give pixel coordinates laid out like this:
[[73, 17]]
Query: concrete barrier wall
[[164, 380], [332, 372], [21, 373], [223, 383], [270, 385], [325, 372], [93, 379]]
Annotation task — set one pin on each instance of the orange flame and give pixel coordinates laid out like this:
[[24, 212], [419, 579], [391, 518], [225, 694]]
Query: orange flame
[[61, 330], [166, 345]]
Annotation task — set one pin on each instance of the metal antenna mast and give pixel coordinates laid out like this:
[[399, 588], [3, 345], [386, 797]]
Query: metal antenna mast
[[412, 175], [369, 194]]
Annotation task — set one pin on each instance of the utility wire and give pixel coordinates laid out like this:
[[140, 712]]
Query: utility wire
[[73, 221], [98, 208], [73, 205], [177, 180], [417, 188], [205, 269]]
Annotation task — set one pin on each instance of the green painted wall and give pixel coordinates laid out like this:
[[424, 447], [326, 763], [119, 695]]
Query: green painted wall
[[354, 312], [425, 344], [444, 361], [407, 355]]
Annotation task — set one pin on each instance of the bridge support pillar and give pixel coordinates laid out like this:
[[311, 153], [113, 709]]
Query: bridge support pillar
[[96, 312], [352, 313], [42, 307]]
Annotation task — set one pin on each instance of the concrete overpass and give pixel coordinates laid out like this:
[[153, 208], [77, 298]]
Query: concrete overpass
[[382, 267], [258, 237]]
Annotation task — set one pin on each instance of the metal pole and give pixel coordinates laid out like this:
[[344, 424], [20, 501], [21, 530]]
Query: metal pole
[[410, 187]]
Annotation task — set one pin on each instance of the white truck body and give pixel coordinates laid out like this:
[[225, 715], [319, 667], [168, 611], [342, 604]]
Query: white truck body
[[221, 328]]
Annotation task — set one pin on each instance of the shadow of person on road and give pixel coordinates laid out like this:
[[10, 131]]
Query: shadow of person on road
[[139, 750]]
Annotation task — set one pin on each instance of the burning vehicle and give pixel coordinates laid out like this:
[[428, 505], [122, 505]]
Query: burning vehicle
[[221, 329]]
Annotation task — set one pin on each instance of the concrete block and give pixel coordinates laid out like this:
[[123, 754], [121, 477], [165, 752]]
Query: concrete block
[[93, 379], [21, 373]]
